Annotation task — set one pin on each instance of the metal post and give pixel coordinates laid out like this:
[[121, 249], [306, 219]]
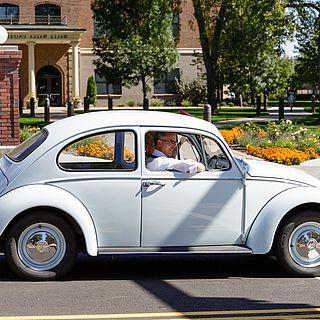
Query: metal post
[[110, 103], [20, 106], [86, 104], [258, 105], [47, 109], [32, 107], [145, 104], [319, 112], [70, 111], [207, 112], [281, 109]]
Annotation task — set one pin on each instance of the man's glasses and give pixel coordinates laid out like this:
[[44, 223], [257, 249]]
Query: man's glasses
[[172, 142]]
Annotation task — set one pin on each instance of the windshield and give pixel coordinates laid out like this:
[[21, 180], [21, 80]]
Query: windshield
[[28, 146]]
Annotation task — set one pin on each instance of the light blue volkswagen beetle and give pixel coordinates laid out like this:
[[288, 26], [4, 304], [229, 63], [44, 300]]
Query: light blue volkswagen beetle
[[81, 184]]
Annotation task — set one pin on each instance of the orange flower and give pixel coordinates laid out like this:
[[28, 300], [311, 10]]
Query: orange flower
[[282, 155]]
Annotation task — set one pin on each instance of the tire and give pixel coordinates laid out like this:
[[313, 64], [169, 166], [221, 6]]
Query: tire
[[298, 247], [41, 246]]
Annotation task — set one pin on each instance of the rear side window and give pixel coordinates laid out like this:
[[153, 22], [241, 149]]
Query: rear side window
[[107, 151], [24, 149]]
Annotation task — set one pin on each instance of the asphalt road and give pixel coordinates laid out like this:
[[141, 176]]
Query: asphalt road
[[164, 287]]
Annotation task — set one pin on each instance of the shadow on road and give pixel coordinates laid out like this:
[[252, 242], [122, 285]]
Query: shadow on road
[[166, 267]]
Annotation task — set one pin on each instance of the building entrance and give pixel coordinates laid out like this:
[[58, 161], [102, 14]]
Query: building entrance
[[49, 85]]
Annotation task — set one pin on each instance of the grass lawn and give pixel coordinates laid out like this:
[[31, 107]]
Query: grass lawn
[[225, 113], [32, 121]]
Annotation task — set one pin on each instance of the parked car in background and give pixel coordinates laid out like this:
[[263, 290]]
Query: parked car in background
[[81, 185]]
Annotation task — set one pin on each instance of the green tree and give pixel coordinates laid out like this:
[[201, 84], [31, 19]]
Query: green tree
[[307, 69], [92, 90], [137, 42], [236, 35]]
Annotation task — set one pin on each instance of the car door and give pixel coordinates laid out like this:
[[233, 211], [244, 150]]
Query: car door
[[206, 208], [101, 170]]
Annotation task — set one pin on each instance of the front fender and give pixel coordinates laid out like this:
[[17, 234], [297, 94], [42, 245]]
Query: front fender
[[261, 234], [31, 196]]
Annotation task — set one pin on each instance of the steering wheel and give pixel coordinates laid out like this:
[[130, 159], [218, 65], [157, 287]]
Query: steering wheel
[[217, 162], [213, 161]]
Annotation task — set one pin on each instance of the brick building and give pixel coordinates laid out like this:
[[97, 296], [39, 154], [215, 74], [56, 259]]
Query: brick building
[[57, 58]]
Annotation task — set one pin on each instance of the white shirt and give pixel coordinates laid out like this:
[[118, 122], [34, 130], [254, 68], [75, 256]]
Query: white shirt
[[162, 162]]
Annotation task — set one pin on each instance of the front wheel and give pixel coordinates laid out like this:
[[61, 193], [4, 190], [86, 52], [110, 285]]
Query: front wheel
[[298, 247], [41, 246]]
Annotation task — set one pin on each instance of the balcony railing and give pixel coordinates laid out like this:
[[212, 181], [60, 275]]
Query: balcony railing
[[34, 19]]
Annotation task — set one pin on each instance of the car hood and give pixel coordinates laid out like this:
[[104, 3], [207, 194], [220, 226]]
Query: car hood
[[264, 169]]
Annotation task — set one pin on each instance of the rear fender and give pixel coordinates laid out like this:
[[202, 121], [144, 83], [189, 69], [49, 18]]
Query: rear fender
[[32, 196]]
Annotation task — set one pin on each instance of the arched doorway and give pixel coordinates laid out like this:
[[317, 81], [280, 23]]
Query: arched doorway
[[49, 85]]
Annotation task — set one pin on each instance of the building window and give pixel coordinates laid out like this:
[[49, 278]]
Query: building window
[[9, 13], [48, 14], [175, 25], [105, 87], [167, 83]]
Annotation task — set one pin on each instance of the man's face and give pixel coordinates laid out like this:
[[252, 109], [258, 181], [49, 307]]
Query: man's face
[[168, 145]]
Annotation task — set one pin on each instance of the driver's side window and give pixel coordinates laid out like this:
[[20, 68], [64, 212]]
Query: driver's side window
[[216, 158]]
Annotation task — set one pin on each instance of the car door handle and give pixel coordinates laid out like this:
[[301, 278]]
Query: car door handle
[[147, 184]]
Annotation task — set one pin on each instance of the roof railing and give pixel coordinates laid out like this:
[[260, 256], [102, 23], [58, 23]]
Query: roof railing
[[33, 19]]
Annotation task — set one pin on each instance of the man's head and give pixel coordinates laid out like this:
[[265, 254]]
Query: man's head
[[166, 142]]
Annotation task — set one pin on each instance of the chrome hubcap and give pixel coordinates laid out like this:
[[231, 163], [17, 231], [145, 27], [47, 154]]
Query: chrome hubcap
[[305, 244], [41, 246]]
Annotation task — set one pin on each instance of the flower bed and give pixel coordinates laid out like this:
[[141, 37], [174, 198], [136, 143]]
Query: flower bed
[[281, 142]]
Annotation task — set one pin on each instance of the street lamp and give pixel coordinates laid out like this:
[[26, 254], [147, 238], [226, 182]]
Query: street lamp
[[3, 35]]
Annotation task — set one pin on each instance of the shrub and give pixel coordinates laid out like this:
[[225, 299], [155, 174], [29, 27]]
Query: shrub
[[195, 91], [171, 103], [186, 103], [92, 90], [282, 142], [26, 132], [232, 135], [223, 104], [231, 104], [131, 103], [156, 103]]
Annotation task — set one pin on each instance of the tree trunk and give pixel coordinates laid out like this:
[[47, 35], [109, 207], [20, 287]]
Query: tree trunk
[[210, 46], [265, 101], [144, 90], [240, 100]]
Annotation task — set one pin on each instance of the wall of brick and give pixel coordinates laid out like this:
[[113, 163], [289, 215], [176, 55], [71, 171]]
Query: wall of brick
[[9, 96]]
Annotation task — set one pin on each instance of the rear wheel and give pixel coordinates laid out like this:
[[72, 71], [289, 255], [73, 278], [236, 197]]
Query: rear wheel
[[299, 244], [41, 246]]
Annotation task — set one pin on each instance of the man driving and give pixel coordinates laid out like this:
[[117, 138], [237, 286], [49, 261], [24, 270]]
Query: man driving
[[163, 156]]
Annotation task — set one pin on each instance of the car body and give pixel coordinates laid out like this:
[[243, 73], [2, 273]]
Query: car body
[[81, 184]]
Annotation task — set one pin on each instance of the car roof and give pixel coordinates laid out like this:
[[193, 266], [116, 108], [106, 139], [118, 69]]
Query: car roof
[[69, 127]]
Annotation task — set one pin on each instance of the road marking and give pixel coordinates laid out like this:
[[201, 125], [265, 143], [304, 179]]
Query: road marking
[[260, 314]]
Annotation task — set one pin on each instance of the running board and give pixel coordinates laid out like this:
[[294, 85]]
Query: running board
[[174, 250]]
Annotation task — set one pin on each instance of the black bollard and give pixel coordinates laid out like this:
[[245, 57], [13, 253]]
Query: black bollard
[[207, 112], [32, 107], [20, 106], [145, 104], [258, 105], [47, 109], [70, 110], [281, 109], [110, 103], [86, 104]]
